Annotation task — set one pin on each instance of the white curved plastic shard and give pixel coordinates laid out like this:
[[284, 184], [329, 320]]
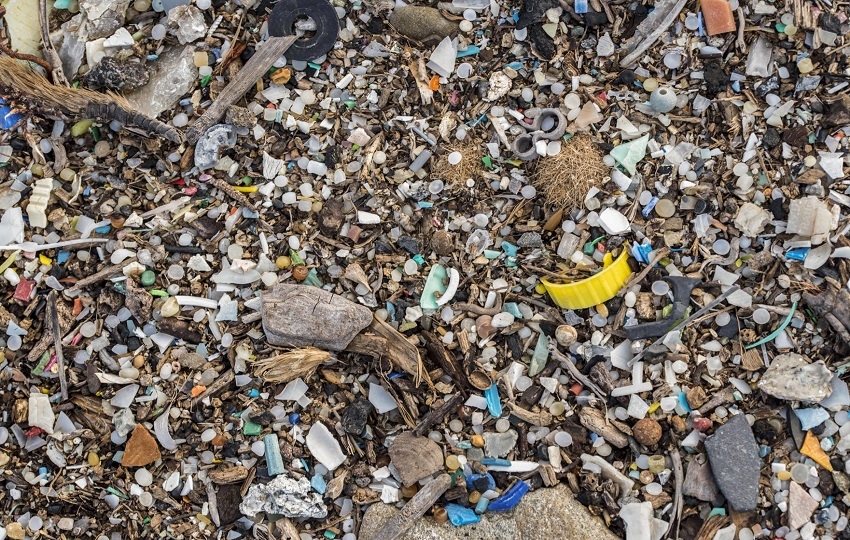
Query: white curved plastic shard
[[37, 207], [160, 427], [271, 166], [451, 290], [324, 446], [12, 226], [442, 60]]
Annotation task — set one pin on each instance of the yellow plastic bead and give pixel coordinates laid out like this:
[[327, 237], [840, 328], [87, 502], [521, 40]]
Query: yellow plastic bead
[[44, 259], [93, 459], [784, 475], [650, 84], [283, 262], [452, 462], [539, 288]]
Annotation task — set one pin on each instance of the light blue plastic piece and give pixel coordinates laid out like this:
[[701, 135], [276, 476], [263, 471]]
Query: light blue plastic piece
[[629, 154], [460, 515], [493, 403], [274, 461], [469, 51], [811, 418], [436, 282], [540, 356]]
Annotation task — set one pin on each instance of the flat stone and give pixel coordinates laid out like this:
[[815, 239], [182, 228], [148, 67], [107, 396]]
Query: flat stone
[[415, 458], [499, 444], [228, 498], [114, 74], [542, 514], [699, 483], [790, 376], [141, 449], [422, 23], [801, 505], [299, 316], [735, 463]]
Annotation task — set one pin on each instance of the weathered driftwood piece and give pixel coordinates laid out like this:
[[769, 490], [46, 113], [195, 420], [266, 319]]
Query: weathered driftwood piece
[[595, 421], [414, 509], [247, 77], [402, 353], [56, 330], [834, 306], [300, 316], [651, 29], [436, 415], [282, 368]]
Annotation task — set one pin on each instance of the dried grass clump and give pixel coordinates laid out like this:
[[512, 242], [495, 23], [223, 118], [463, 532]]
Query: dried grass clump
[[282, 368], [469, 167], [566, 178]]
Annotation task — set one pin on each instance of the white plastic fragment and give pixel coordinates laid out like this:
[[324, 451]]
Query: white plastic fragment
[[324, 446], [37, 208], [40, 413], [381, 399]]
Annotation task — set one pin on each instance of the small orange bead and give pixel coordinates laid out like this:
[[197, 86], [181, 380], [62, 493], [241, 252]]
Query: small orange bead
[[300, 273], [435, 83]]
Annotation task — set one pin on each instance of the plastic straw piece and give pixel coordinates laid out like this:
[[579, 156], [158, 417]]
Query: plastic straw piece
[[32, 247]]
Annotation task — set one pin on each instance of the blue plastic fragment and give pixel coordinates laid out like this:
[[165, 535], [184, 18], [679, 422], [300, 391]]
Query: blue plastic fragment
[[493, 404], [736, 86], [798, 254], [294, 418], [811, 418], [648, 208], [470, 51], [460, 515], [474, 479], [481, 505], [642, 252], [495, 462], [7, 117], [683, 400], [419, 259], [103, 230], [509, 498], [509, 249], [425, 204], [581, 6], [516, 66], [319, 483], [764, 450], [254, 393], [63, 256]]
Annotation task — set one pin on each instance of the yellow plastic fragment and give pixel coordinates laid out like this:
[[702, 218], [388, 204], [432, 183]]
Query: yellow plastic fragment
[[594, 290], [654, 407], [44, 259], [811, 447], [247, 189]]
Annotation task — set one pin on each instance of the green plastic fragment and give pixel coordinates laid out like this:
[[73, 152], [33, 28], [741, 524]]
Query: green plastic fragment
[[487, 162], [95, 133], [435, 283], [406, 325], [148, 278], [250, 428], [42, 363], [295, 258], [312, 278], [158, 292], [117, 492], [80, 128], [205, 81], [540, 355], [629, 154], [247, 181]]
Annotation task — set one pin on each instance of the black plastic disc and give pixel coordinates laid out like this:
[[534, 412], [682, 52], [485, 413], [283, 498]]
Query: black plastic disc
[[282, 23]]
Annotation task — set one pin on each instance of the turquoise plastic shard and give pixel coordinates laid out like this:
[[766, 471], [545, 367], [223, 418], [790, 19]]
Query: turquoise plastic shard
[[540, 356], [436, 282], [629, 154], [460, 515], [493, 404], [274, 461]]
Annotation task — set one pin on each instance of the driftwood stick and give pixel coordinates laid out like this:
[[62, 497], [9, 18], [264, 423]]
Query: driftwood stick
[[414, 509], [50, 54], [437, 414], [247, 77], [57, 343]]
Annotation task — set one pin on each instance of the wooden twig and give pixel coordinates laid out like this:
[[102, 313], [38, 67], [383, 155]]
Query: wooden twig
[[57, 343], [574, 371], [401, 523], [255, 68], [50, 54], [437, 414]]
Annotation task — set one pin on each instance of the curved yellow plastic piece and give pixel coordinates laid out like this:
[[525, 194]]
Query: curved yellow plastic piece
[[594, 290]]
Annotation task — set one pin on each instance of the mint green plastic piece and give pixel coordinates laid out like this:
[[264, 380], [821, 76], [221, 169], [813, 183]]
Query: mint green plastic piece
[[629, 154], [540, 356], [436, 282]]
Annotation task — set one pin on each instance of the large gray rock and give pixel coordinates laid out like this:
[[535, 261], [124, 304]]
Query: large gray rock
[[303, 316], [735, 463], [542, 514]]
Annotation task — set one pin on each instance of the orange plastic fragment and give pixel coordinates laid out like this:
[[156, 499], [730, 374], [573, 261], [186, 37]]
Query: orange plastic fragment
[[435, 83], [78, 306], [198, 390], [811, 447]]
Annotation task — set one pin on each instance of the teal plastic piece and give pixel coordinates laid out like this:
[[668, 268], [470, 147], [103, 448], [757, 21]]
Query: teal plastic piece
[[540, 356], [61, 4], [717, 512], [773, 335], [460, 515], [470, 51], [629, 154], [250, 428], [492, 254], [274, 461], [319, 483], [481, 506], [496, 462], [493, 403], [513, 309], [436, 282]]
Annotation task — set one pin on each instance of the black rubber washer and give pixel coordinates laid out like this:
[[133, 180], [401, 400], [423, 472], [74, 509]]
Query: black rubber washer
[[282, 23]]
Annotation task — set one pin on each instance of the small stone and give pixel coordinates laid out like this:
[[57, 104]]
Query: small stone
[[141, 449], [735, 463], [699, 482], [442, 243], [355, 416], [421, 23], [801, 506], [647, 432], [530, 240], [239, 117], [415, 458], [15, 531], [114, 74]]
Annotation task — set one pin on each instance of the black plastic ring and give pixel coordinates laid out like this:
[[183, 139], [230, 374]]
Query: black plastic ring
[[282, 23]]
